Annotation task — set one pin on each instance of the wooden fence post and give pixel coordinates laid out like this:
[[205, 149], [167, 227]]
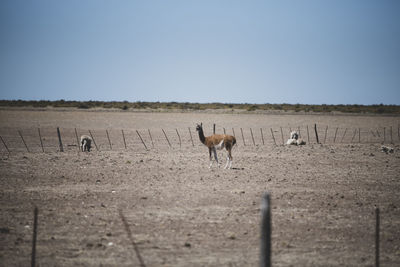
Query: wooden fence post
[[35, 222], [77, 140], [244, 143], [316, 133], [252, 137], [191, 139], [214, 128], [359, 135], [4, 143], [326, 133], [391, 134], [40, 138], [308, 135], [224, 130], [384, 134], [345, 131], [20, 134], [151, 138], [123, 137], [334, 139], [283, 141], [59, 140], [262, 136], [94, 142], [179, 137], [166, 137], [273, 137], [109, 141], [265, 248], [141, 139], [354, 135], [377, 224]]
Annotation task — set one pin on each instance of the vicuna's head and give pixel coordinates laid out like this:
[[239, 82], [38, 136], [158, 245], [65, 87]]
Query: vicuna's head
[[199, 127]]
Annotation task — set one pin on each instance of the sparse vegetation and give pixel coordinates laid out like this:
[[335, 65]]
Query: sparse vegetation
[[125, 105]]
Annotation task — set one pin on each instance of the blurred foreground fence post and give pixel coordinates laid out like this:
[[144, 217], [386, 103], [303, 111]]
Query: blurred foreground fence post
[[59, 140], [377, 224], [129, 233], [35, 220], [4, 143], [214, 128], [20, 134], [265, 248]]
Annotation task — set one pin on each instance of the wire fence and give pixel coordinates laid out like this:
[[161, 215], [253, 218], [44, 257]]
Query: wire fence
[[67, 139]]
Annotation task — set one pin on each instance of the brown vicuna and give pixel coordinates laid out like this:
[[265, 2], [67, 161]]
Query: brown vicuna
[[217, 141]]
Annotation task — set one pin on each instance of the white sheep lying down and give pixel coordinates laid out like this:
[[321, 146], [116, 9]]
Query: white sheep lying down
[[294, 139], [86, 143]]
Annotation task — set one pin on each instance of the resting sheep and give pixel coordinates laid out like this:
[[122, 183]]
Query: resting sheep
[[387, 149], [294, 139], [86, 143]]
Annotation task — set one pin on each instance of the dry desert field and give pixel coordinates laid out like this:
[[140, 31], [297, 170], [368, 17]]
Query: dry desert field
[[178, 212]]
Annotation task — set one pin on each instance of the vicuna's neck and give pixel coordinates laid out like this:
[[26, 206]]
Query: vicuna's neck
[[201, 136]]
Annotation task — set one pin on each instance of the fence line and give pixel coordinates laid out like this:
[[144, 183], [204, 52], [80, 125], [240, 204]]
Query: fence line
[[45, 139]]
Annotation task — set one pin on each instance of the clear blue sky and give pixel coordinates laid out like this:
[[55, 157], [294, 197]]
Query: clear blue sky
[[309, 52]]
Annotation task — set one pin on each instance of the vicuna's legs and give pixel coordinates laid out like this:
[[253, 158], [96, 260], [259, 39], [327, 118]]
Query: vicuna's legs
[[213, 150], [215, 156], [229, 158], [209, 150]]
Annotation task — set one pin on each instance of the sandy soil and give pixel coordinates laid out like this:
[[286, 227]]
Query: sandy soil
[[179, 212]]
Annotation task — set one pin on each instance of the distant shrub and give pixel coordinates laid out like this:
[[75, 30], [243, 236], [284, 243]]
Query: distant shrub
[[125, 105], [252, 108], [83, 106]]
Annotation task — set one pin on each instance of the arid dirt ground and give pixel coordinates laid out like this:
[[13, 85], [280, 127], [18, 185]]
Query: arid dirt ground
[[180, 212]]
